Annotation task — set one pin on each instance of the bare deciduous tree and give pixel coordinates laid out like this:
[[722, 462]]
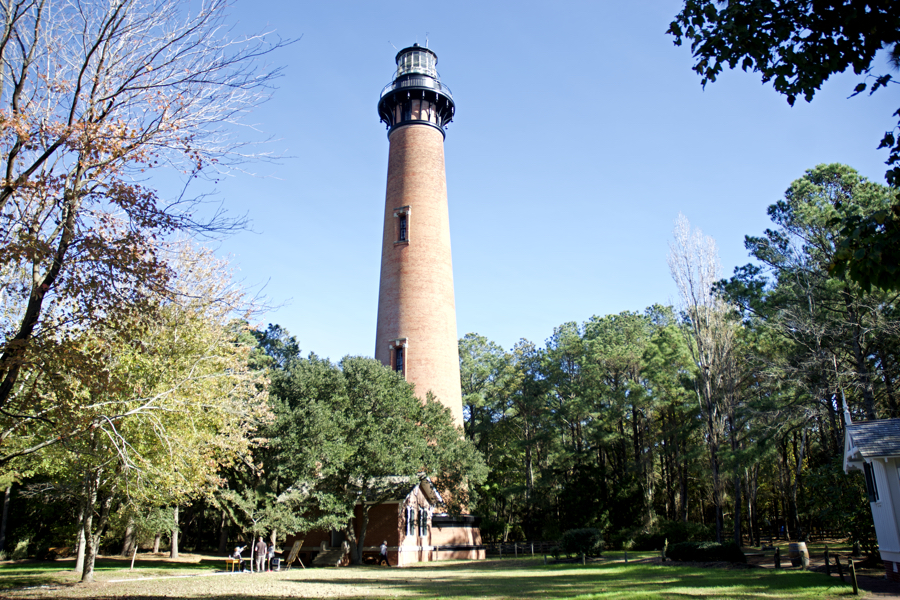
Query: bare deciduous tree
[[694, 264], [95, 95]]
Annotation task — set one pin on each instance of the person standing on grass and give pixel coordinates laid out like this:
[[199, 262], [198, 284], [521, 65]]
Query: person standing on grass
[[384, 558], [271, 555], [260, 555]]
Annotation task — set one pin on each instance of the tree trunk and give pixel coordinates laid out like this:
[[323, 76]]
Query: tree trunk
[[93, 540], [529, 476], [785, 489], [5, 517], [223, 534], [156, 540], [716, 482], [252, 550], [737, 483], [752, 510], [91, 484], [684, 485], [799, 456], [834, 408], [128, 544], [80, 540], [357, 555], [738, 505], [888, 384], [863, 377], [173, 548]]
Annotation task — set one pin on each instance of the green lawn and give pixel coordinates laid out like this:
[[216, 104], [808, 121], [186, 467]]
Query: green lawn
[[509, 578]]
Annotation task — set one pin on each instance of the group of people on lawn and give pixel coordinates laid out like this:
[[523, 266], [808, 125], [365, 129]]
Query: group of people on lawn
[[264, 556]]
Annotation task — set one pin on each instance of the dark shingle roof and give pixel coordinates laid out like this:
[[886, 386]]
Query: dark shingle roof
[[876, 438]]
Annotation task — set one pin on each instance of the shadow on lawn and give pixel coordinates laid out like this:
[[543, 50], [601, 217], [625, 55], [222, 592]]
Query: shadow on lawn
[[610, 580], [503, 579], [59, 573]]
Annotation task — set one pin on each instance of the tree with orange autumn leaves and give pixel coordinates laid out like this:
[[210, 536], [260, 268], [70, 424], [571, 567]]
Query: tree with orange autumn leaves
[[94, 96]]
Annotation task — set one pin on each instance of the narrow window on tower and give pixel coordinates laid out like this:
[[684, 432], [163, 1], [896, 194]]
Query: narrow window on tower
[[402, 231], [398, 360], [398, 356]]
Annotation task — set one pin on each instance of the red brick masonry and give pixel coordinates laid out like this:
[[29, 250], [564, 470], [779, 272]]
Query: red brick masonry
[[415, 299]]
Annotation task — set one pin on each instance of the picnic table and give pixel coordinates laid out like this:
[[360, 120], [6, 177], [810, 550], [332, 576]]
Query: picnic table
[[230, 564]]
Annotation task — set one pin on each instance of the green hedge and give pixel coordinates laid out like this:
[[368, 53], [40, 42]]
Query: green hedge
[[587, 541], [706, 552], [674, 532]]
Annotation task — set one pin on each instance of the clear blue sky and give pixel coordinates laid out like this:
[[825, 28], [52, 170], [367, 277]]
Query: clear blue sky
[[581, 133]]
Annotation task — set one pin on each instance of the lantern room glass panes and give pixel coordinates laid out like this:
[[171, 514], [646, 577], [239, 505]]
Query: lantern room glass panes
[[417, 61]]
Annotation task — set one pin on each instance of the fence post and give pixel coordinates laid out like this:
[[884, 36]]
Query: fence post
[[777, 558], [837, 562], [516, 548], [532, 549], [853, 577], [827, 563]]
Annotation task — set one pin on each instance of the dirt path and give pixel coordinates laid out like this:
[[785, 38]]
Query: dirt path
[[872, 581]]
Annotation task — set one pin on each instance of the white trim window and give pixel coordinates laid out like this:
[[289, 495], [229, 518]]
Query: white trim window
[[410, 520], [423, 523]]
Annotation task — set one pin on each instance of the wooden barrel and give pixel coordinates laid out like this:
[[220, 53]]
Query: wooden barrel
[[798, 554]]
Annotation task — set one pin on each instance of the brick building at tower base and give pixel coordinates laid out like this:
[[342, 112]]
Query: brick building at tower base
[[413, 529]]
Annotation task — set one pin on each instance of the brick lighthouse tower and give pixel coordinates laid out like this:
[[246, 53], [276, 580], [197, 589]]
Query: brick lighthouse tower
[[416, 332]]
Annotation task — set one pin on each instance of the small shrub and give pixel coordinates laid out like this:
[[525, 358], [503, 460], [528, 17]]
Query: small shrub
[[673, 531], [706, 552], [587, 541], [21, 549]]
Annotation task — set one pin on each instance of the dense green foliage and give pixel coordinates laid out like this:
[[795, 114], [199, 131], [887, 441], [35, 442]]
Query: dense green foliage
[[721, 419], [357, 430], [577, 542], [725, 416], [705, 552], [798, 45], [671, 532]]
